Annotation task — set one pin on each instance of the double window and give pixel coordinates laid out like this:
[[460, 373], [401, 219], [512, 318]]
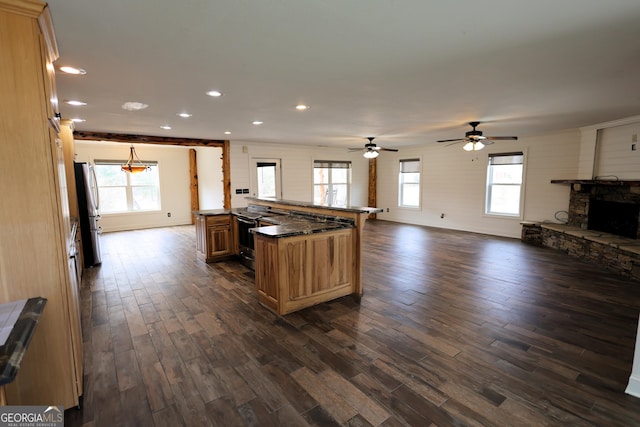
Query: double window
[[504, 184], [331, 182], [409, 183], [127, 192]]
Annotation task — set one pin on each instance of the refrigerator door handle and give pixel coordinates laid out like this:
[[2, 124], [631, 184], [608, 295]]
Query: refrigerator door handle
[[94, 187]]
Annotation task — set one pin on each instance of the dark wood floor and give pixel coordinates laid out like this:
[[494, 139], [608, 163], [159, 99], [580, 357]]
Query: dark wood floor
[[453, 329]]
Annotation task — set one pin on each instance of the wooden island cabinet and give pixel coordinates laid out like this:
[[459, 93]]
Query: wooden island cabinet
[[300, 271], [312, 254]]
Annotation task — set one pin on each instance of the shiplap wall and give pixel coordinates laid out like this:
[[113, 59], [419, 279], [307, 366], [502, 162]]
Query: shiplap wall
[[453, 183], [614, 156], [296, 164]]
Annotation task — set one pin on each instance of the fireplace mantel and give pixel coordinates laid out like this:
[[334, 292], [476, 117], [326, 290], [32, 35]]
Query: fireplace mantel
[[608, 182]]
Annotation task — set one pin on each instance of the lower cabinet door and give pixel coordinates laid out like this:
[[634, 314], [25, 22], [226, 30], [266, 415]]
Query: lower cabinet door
[[219, 242]]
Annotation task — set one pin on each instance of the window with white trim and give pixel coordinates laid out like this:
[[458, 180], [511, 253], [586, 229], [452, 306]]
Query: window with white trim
[[409, 183], [127, 192], [266, 175], [331, 182], [504, 184]]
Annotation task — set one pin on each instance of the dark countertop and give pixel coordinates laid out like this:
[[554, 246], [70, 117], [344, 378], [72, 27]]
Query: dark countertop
[[611, 182], [357, 209], [14, 349], [298, 228], [213, 212], [291, 223]]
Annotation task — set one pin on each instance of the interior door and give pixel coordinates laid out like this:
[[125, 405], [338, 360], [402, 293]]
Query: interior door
[[267, 178]]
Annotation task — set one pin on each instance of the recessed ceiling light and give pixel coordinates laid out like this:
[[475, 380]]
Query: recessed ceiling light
[[75, 103], [165, 127], [226, 132], [214, 93], [78, 120], [257, 122], [134, 106], [302, 107], [72, 70], [185, 115]]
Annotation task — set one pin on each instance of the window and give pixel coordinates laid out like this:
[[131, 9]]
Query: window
[[266, 178], [127, 192], [409, 183], [504, 184], [331, 182]]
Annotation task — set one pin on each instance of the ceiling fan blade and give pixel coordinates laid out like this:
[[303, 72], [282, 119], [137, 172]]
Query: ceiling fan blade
[[387, 149], [503, 138], [451, 140], [356, 149]]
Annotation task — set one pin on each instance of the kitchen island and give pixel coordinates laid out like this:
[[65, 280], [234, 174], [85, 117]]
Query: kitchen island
[[311, 254]]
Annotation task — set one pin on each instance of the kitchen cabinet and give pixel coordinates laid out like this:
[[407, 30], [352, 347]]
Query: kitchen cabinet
[[214, 235], [36, 238], [300, 271]]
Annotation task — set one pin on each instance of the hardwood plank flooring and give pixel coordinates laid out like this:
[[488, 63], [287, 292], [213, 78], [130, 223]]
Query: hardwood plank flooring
[[453, 329]]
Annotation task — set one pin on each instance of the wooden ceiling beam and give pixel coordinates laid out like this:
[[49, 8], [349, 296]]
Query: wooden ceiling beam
[[146, 139]]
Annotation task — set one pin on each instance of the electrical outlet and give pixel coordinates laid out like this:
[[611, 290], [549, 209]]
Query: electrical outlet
[[441, 215], [387, 209], [168, 214]]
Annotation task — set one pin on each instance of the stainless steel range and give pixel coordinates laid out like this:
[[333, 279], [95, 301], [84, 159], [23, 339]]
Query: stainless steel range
[[247, 219]]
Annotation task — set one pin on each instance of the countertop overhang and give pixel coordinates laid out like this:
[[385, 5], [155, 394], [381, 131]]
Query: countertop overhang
[[354, 209]]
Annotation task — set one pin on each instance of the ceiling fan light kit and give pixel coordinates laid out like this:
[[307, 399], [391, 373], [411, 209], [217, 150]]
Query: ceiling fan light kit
[[473, 146], [371, 150]]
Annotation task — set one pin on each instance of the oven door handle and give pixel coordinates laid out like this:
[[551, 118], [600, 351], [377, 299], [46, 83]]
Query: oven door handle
[[251, 222]]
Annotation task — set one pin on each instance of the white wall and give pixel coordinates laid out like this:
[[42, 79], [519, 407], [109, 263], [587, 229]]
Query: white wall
[[453, 183], [175, 197], [296, 163], [210, 186]]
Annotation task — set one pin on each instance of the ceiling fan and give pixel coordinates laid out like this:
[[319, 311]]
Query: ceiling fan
[[475, 139], [371, 150]]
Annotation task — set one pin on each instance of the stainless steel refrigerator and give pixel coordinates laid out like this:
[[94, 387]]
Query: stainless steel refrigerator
[[88, 207]]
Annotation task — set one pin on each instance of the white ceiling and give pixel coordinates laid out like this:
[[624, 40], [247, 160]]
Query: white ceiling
[[406, 71]]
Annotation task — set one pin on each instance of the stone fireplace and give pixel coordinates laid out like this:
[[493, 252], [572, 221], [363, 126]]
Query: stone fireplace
[[603, 225], [609, 206]]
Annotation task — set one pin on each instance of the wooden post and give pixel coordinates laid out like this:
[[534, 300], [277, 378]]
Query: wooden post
[[373, 179], [226, 174], [193, 185]]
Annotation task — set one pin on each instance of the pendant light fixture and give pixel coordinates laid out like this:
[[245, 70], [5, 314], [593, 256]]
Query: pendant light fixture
[[134, 164]]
